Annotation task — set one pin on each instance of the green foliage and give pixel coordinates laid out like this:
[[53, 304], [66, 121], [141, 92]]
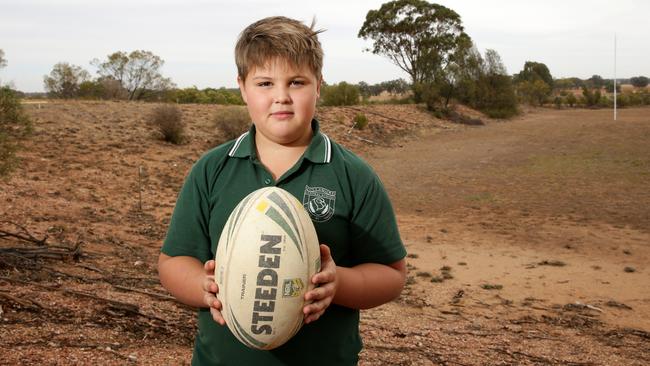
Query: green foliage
[[64, 80], [595, 82], [622, 101], [167, 119], [568, 83], [534, 71], [609, 86], [419, 37], [591, 98], [639, 81], [397, 86], [205, 96], [339, 94], [533, 92], [534, 83], [558, 101], [571, 100], [14, 126], [137, 72], [360, 121], [232, 121]]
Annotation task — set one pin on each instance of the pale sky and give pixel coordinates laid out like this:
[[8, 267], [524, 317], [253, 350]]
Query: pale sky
[[196, 37]]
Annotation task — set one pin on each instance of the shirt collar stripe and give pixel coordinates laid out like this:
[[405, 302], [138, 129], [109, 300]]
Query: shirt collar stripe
[[328, 148], [236, 145]]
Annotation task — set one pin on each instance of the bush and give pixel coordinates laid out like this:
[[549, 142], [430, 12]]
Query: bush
[[571, 100], [14, 125], [360, 121], [167, 119], [339, 94], [232, 121]]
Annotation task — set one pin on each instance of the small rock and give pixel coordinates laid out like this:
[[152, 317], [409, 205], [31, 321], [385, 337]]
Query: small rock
[[138, 263], [133, 358]]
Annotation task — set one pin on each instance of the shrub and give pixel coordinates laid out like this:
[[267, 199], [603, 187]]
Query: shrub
[[360, 121], [339, 94], [14, 125], [167, 119], [232, 121], [571, 100]]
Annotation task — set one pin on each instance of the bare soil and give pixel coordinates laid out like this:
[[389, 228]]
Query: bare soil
[[528, 239]]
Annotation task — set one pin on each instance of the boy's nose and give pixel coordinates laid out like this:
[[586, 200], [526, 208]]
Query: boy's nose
[[282, 96]]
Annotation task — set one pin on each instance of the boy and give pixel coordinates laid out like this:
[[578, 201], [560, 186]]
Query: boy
[[279, 62]]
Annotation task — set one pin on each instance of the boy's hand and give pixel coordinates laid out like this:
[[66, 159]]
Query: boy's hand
[[210, 290], [326, 282]]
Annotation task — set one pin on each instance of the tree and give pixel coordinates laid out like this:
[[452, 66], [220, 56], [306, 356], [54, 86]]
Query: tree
[[14, 125], [137, 72], [534, 83], [534, 71], [639, 81], [64, 80], [596, 81], [419, 37]]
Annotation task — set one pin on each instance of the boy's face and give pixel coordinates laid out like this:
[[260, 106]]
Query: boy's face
[[281, 101]]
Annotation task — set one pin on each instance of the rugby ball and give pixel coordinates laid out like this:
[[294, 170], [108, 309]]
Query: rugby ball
[[267, 253]]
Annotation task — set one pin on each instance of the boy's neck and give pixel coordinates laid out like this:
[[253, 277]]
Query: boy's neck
[[278, 158]]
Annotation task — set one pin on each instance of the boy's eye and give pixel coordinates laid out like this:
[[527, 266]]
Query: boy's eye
[[297, 82], [264, 83]]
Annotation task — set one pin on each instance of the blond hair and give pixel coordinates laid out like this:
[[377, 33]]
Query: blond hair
[[282, 38]]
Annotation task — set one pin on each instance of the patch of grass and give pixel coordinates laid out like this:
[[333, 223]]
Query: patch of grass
[[488, 286], [410, 280], [553, 263], [437, 279], [360, 121], [482, 197], [445, 268], [462, 263], [629, 269], [424, 274], [412, 255]]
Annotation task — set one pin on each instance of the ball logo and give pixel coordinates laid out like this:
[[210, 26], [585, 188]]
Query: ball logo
[[319, 203]]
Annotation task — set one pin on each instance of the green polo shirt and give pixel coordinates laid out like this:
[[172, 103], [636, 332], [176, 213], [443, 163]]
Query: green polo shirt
[[350, 211]]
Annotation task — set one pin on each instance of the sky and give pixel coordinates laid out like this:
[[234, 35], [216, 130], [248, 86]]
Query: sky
[[196, 38]]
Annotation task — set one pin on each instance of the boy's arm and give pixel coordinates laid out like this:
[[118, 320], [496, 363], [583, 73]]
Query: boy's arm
[[360, 287], [369, 284], [191, 282]]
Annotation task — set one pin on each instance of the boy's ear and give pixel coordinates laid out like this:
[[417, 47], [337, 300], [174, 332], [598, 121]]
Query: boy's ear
[[242, 88], [318, 85]]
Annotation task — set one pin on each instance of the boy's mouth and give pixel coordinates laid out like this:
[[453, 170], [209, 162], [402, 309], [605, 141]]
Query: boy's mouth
[[282, 114]]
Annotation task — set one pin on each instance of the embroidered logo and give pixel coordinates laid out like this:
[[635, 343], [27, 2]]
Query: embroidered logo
[[319, 203]]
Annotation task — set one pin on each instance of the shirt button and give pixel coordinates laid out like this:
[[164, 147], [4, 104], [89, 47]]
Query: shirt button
[[267, 181]]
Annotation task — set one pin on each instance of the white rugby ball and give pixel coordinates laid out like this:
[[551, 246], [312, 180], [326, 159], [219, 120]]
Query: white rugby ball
[[267, 253]]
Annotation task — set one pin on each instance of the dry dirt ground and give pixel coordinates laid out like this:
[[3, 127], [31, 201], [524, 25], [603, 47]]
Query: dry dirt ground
[[528, 239]]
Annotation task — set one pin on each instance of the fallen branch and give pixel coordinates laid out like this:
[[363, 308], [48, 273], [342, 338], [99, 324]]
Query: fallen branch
[[28, 304], [26, 237]]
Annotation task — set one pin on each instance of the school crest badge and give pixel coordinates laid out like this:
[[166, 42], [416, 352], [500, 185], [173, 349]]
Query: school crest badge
[[319, 203]]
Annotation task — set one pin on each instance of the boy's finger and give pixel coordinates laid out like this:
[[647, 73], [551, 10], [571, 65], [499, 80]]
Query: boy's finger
[[209, 266], [216, 315]]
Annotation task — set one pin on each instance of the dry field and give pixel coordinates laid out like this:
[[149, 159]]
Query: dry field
[[528, 239]]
